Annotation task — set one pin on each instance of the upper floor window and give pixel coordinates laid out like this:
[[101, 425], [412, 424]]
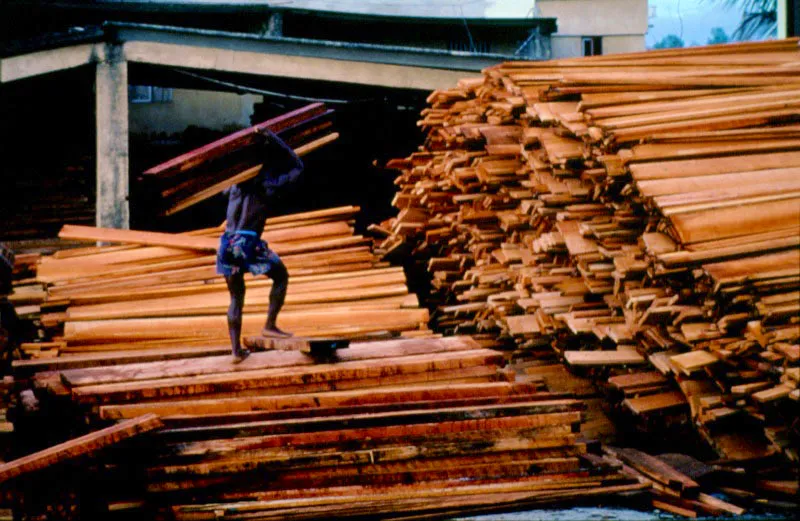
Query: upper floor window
[[149, 94], [592, 45]]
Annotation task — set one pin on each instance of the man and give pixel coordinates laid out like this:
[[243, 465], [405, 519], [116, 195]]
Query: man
[[241, 249]]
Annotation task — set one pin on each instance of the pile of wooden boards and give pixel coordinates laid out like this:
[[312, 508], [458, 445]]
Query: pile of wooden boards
[[396, 429], [204, 172], [152, 290], [35, 202], [636, 212]]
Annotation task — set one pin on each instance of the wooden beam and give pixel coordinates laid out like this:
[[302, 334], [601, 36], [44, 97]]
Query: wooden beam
[[79, 446]]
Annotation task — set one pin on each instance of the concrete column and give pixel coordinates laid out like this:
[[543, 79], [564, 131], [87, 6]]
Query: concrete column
[[783, 22], [111, 117]]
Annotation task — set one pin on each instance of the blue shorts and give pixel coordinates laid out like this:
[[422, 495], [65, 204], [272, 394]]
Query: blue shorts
[[244, 251]]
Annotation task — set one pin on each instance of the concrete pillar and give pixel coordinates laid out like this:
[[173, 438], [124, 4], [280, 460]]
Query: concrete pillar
[[111, 117], [783, 23]]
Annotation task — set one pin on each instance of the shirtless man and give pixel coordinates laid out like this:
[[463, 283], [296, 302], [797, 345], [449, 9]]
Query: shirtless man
[[241, 249]]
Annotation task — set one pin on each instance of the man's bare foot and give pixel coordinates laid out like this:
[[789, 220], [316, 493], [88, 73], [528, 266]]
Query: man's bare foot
[[274, 332], [240, 356]]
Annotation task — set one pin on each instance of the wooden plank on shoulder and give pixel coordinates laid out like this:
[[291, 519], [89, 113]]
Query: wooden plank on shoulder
[[233, 141]]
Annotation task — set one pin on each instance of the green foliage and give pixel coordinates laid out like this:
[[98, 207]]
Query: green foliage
[[670, 41], [718, 35], [759, 18]]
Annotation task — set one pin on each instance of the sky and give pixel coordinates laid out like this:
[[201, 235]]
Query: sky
[[691, 20]]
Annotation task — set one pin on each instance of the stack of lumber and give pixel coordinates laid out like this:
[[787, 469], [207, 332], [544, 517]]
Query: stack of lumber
[[397, 428], [149, 290], [6, 427], [206, 171], [626, 213], [36, 201], [671, 489]]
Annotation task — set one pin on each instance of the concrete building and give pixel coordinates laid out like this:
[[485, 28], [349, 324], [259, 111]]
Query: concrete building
[[589, 27], [585, 27]]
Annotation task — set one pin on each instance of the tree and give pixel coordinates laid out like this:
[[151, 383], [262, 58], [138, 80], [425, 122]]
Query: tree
[[670, 41], [759, 18], [718, 35]]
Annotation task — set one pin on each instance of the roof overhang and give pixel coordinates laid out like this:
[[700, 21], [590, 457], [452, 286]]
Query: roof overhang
[[358, 63]]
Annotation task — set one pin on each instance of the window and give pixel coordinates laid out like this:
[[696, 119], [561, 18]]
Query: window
[[148, 94], [592, 45]]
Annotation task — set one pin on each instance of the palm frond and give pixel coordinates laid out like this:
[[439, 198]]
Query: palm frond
[[757, 26], [759, 17]]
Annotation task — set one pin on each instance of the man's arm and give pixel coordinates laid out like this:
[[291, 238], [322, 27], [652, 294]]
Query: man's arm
[[281, 165]]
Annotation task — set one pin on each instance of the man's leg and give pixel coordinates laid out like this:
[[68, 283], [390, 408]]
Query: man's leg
[[280, 283], [236, 288]]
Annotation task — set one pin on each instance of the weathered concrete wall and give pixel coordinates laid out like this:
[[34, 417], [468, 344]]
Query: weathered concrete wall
[[621, 44], [209, 109], [621, 24], [571, 46], [596, 17], [566, 46]]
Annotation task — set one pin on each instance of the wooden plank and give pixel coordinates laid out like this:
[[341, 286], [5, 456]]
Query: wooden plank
[[547, 413], [28, 367], [694, 361], [333, 399], [638, 380], [170, 240], [305, 323], [713, 166], [86, 444], [656, 402], [265, 378], [360, 351], [183, 421], [545, 434], [736, 221], [661, 472], [241, 177], [590, 358], [233, 141]]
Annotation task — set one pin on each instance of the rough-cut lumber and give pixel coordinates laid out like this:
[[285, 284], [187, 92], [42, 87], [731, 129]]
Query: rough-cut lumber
[[74, 448], [266, 378], [90, 233], [304, 323], [625, 357], [26, 367], [269, 360], [233, 141], [358, 397], [243, 176], [652, 211], [656, 402], [659, 471]]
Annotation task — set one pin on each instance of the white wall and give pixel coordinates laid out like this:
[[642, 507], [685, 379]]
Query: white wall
[[208, 109], [596, 17]]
